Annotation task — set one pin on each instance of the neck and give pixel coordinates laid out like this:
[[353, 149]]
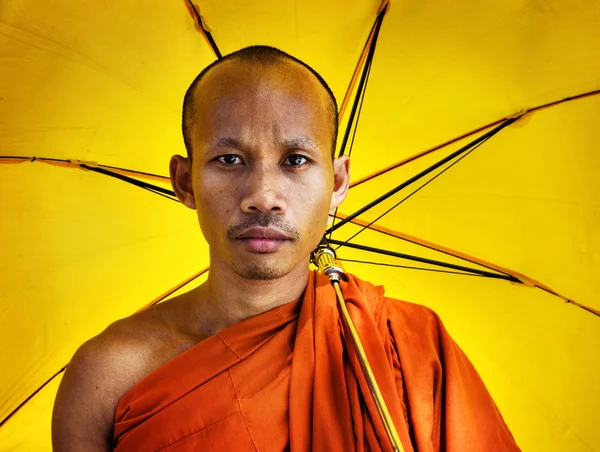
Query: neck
[[226, 298]]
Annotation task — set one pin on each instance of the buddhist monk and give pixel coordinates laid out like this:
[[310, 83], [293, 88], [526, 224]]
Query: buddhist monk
[[257, 358]]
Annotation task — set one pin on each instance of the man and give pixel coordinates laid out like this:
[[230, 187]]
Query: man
[[256, 358]]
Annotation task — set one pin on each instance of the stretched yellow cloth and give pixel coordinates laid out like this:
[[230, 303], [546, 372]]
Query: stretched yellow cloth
[[290, 378]]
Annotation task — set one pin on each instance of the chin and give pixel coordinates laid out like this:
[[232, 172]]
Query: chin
[[259, 272], [264, 267]]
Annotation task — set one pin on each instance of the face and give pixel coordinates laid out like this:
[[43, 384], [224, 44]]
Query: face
[[262, 179]]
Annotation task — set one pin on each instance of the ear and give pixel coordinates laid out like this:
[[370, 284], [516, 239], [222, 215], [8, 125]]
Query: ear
[[180, 169], [341, 180]]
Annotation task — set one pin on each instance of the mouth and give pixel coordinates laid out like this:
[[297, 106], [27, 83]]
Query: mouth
[[263, 240]]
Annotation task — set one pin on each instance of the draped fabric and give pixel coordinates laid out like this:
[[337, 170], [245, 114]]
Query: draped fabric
[[290, 378]]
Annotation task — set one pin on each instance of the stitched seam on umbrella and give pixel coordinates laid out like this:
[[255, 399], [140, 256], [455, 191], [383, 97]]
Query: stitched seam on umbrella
[[237, 397]]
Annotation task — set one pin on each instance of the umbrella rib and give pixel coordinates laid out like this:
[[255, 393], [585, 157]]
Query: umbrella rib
[[365, 61], [423, 173], [466, 135], [521, 278], [62, 369], [173, 289], [118, 173], [461, 268], [357, 69], [570, 301], [348, 126], [362, 85], [140, 174], [383, 264], [202, 27], [362, 100], [435, 247], [30, 396], [154, 188], [8, 159], [151, 190], [416, 190]]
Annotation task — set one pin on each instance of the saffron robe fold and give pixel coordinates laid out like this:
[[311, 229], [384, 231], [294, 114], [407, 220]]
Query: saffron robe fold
[[289, 379]]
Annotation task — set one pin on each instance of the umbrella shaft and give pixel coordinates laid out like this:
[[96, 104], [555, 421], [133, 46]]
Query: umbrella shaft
[[384, 414]]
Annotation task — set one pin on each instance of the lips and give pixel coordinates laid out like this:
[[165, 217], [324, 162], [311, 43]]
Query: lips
[[263, 240]]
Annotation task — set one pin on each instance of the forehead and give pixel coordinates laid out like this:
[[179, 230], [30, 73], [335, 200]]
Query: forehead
[[245, 78], [242, 94]]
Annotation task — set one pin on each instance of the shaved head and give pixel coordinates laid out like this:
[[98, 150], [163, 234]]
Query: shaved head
[[260, 130], [259, 61]]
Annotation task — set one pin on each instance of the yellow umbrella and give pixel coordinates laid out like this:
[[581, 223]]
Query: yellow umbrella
[[93, 88]]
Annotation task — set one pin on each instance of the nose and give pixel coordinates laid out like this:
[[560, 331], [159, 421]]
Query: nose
[[262, 192]]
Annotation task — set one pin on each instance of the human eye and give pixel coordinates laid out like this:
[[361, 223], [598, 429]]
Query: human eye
[[296, 160], [230, 160]]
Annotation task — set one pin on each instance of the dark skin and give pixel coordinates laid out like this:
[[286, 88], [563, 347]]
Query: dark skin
[[261, 142]]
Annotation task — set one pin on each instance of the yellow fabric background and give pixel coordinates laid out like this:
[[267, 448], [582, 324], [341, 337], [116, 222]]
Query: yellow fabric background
[[104, 82]]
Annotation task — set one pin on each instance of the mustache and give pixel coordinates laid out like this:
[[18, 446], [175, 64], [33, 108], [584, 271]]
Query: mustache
[[264, 221]]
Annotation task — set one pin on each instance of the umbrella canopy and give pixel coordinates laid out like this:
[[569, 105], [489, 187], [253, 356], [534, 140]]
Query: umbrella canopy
[[93, 88]]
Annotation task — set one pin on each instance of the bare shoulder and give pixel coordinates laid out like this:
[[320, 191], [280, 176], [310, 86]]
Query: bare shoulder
[[102, 370]]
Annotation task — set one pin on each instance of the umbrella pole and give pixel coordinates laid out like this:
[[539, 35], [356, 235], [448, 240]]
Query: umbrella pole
[[324, 259]]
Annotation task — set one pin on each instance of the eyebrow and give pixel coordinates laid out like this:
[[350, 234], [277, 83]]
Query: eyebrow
[[225, 142], [301, 142], [293, 143]]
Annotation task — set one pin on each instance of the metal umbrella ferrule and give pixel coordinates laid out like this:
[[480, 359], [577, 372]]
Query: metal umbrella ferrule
[[324, 258]]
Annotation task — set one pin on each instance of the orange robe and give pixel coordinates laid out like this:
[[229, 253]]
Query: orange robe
[[288, 379]]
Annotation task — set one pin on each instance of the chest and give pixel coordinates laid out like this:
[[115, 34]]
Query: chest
[[211, 405]]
